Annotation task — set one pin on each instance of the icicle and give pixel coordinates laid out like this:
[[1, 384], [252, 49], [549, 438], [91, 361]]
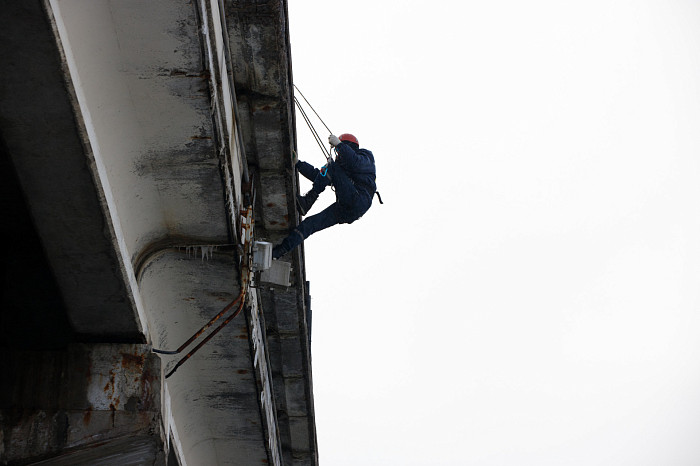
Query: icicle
[[206, 252], [203, 251]]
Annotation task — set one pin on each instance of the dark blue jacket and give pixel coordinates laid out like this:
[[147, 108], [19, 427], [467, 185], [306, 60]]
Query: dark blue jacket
[[359, 166]]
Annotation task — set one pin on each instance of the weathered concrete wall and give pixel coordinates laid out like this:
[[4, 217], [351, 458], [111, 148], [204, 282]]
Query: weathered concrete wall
[[81, 402], [139, 130], [262, 70]]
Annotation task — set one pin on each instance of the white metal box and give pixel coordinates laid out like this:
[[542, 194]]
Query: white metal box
[[262, 255]]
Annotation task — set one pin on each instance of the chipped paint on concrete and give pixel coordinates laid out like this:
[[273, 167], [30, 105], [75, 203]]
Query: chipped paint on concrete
[[82, 397], [120, 380]]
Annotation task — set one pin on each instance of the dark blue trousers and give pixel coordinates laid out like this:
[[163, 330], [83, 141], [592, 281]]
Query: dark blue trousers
[[351, 203]]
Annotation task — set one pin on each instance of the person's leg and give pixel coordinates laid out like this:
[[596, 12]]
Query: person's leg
[[307, 170], [353, 202], [326, 218], [318, 177], [320, 181]]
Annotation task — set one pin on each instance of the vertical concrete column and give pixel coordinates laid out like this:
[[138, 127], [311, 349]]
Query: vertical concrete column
[[81, 404]]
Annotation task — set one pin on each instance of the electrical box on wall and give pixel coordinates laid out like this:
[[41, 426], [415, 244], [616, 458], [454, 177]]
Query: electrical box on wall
[[279, 273], [262, 255]]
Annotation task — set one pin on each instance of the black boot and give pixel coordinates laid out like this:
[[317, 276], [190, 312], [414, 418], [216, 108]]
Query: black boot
[[279, 251], [305, 202], [290, 242]]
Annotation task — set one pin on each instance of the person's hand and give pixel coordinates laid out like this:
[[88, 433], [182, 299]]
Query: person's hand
[[333, 139]]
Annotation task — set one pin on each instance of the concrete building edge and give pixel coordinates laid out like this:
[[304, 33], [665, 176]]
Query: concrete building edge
[[112, 216], [172, 437], [87, 133]]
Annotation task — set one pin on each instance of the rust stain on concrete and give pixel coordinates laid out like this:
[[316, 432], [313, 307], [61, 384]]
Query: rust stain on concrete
[[133, 361], [87, 416]]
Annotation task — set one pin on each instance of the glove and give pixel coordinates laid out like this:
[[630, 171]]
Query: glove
[[333, 140]]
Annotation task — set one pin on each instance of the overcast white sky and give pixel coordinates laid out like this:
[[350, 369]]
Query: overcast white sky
[[529, 292]]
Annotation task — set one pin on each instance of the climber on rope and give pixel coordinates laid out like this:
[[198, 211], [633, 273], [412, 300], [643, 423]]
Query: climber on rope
[[352, 174]]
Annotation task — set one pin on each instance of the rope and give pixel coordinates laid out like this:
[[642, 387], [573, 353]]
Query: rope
[[318, 139], [312, 108], [328, 155]]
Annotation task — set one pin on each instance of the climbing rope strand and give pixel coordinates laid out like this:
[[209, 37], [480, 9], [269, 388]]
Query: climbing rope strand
[[315, 134], [318, 139], [312, 108]]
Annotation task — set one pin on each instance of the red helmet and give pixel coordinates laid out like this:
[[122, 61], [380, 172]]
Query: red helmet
[[349, 138]]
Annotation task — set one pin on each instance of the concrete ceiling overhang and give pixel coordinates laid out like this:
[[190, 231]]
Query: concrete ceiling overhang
[[133, 173], [39, 131]]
